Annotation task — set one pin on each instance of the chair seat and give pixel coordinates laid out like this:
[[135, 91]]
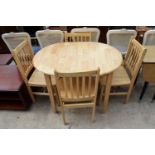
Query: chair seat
[[37, 79], [120, 77]]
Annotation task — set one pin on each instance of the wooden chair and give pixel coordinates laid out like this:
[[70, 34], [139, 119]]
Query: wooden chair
[[78, 37], [95, 32], [125, 75], [33, 78], [77, 90]]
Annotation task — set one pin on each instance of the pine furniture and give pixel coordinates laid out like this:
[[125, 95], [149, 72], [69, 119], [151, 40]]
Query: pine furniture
[[148, 69], [126, 74], [74, 57], [77, 90], [33, 79]]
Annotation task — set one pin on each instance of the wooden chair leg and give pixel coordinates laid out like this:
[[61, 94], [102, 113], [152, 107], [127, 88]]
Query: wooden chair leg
[[63, 115], [107, 92], [93, 113], [101, 93], [129, 93], [31, 94], [50, 91]]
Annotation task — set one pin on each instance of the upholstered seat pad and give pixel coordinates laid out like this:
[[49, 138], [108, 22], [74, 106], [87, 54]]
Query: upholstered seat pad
[[120, 77], [37, 79]]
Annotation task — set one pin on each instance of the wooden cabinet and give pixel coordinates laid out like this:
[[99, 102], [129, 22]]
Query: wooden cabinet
[[13, 91]]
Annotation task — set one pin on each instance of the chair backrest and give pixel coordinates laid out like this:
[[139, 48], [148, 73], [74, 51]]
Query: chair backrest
[[149, 37], [134, 58], [48, 37], [23, 56], [95, 32], [12, 40], [78, 37], [120, 38], [77, 86]]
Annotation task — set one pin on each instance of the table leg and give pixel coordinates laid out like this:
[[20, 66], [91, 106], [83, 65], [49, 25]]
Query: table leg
[[107, 92], [143, 90], [51, 93]]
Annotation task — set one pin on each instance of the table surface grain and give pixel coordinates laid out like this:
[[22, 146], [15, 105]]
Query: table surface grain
[[77, 57]]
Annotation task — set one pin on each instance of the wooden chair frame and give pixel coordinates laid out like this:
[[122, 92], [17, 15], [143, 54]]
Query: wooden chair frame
[[131, 65], [23, 56], [95, 32], [79, 91], [78, 37]]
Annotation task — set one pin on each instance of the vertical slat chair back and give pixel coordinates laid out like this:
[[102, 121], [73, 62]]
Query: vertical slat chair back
[[134, 57], [95, 32], [23, 56], [78, 37], [77, 86]]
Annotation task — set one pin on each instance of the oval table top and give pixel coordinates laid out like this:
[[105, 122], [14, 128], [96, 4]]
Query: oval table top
[[77, 57]]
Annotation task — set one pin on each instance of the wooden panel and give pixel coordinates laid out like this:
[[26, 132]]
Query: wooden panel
[[10, 78], [13, 92], [149, 72], [150, 54]]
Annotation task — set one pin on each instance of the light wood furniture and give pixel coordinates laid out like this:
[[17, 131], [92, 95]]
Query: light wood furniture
[[77, 90], [125, 75], [5, 59], [79, 57], [77, 37], [148, 70], [23, 56], [95, 32], [13, 91]]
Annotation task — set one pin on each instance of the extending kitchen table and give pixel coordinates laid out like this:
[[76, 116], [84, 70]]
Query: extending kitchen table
[[79, 57]]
